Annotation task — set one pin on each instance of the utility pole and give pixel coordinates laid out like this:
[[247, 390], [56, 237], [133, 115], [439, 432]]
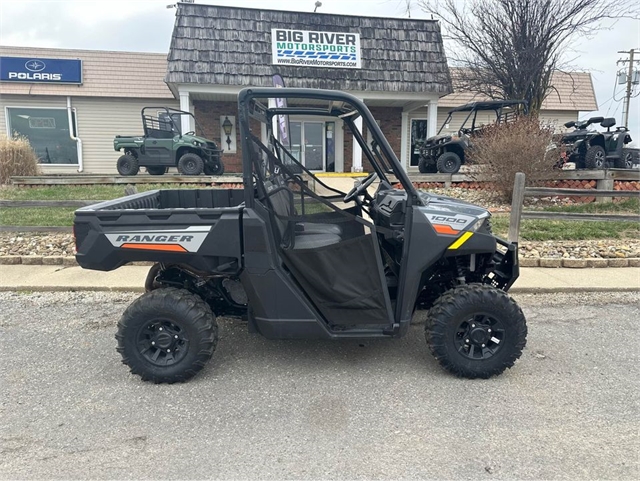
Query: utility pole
[[630, 78]]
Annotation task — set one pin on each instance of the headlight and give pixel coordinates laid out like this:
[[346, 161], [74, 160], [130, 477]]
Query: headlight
[[478, 224], [197, 143]]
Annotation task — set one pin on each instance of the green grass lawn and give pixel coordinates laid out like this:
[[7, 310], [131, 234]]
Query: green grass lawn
[[80, 192], [542, 229], [628, 205], [42, 216]]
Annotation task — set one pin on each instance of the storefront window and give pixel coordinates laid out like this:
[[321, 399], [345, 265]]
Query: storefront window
[[48, 132], [418, 135]]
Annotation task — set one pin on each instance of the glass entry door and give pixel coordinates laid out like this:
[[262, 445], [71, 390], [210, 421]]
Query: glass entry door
[[307, 143]]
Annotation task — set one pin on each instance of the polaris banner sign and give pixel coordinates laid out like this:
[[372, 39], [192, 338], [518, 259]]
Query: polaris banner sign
[[42, 70], [304, 48]]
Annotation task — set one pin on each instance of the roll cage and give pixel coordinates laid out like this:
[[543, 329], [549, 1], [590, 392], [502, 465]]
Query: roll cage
[[513, 107], [166, 119], [336, 104]]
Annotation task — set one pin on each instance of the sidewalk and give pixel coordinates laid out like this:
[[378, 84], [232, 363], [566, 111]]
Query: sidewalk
[[131, 278]]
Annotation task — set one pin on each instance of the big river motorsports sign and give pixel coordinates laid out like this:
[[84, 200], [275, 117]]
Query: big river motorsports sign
[[306, 48]]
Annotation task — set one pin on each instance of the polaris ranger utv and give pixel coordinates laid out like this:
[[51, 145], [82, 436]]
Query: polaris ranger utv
[[446, 153], [164, 145], [296, 264]]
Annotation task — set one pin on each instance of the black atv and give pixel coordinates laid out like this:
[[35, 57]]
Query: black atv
[[446, 152], [591, 149]]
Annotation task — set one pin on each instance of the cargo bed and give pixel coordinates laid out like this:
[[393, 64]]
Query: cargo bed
[[197, 227]]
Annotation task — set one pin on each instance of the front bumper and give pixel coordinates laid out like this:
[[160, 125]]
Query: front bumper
[[507, 267]]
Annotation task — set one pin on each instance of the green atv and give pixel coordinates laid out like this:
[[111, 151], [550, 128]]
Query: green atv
[[164, 145]]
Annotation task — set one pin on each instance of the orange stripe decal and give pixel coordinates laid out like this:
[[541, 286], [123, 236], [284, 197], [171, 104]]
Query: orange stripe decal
[[155, 247], [445, 229]]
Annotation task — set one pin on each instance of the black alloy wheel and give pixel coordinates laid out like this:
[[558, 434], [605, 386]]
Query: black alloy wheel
[[480, 336]]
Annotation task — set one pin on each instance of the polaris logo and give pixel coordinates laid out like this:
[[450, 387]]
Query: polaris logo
[[188, 239], [34, 76]]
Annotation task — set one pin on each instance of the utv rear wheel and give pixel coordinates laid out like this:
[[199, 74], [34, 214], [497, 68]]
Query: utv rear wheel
[[449, 163], [218, 169], [595, 157], [475, 331], [167, 335], [426, 166], [156, 170], [190, 164], [127, 165]]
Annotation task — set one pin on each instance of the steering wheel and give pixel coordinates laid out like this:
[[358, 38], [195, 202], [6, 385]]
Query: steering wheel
[[360, 188]]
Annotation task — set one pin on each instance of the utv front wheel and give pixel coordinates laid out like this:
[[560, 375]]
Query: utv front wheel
[[167, 335], [127, 165], [190, 164], [476, 331], [595, 157], [449, 163]]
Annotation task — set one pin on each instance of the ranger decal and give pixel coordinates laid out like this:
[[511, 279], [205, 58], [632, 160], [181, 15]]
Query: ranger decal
[[188, 239]]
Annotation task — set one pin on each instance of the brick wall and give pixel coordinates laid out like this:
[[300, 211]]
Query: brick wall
[[208, 114]]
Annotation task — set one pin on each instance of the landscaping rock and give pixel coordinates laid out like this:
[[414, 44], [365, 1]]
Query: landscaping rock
[[634, 262]]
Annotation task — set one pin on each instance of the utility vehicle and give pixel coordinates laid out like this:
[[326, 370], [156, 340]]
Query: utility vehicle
[[592, 149], [296, 264], [447, 152], [164, 145]]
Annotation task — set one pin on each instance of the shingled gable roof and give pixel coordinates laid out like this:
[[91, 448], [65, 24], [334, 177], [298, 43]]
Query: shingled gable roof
[[571, 91], [232, 46]]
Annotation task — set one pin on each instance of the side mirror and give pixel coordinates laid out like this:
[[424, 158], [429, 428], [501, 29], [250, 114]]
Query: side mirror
[[570, 124]]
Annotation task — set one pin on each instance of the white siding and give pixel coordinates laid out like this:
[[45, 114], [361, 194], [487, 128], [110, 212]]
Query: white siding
[[553, 117], [99, 120]]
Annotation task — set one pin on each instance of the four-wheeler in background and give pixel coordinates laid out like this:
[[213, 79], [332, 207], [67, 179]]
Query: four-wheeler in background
[[447, 152], [591, 149], [164, 145], [297, 264]]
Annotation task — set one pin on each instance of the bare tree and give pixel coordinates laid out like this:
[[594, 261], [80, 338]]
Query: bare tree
[[509, 49]]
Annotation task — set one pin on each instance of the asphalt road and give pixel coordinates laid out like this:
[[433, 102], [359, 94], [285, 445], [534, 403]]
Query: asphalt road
[[309, 410]]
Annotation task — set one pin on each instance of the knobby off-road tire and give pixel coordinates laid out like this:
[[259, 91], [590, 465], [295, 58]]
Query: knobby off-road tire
[[157, 170], [449, 163], [217, 170], [167, 335], [190, 164], [625, 162], [127, 165], [457, 346], [427, 167], [595, 157]]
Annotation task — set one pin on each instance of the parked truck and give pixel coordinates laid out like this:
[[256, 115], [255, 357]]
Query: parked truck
[[296, 264]]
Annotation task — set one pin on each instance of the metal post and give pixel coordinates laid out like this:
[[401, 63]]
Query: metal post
[[516, 207]]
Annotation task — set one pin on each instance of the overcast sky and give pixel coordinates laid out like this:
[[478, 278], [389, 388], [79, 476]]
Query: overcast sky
[[146, 25]]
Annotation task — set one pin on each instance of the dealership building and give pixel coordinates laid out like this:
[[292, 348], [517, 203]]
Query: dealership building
[[72, 103]]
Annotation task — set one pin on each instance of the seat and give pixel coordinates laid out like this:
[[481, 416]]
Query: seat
[[313, 241], [307, 235]]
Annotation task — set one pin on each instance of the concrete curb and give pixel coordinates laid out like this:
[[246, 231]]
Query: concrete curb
[[550, 262]]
